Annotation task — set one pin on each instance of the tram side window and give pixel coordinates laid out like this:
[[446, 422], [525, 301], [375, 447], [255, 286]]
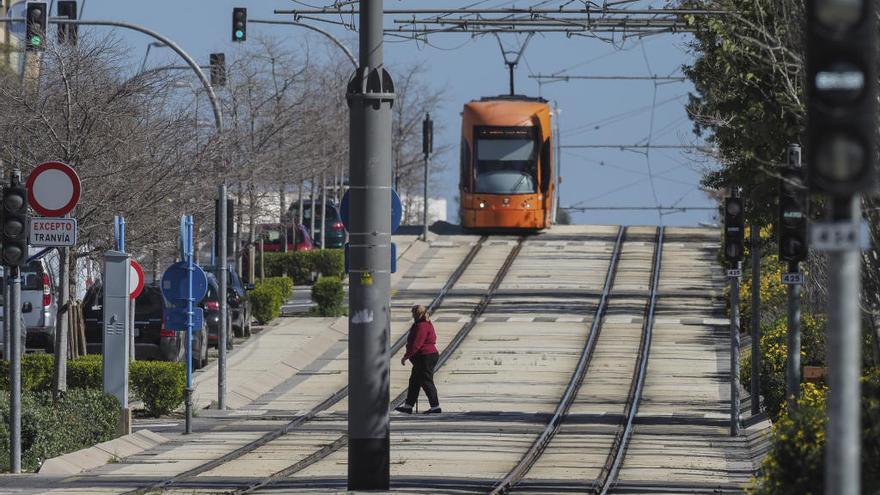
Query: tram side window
[[506, 165], [546, 166], [465, 177]]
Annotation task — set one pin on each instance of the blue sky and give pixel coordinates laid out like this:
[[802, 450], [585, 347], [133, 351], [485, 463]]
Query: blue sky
[[592, 112]]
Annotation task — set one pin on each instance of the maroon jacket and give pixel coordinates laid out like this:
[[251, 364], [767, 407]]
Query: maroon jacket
[[421, 340]]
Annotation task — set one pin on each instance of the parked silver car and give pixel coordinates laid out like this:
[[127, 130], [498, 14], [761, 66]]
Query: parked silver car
[[38, 290], [26, 308]]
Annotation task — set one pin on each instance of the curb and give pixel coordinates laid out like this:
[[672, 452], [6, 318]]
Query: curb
[[101, 454]]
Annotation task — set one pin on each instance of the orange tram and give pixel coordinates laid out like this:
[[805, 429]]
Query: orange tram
[[507, 178]]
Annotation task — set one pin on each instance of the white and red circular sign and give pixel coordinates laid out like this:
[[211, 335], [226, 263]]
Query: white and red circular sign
[[136, 283], [53, 189]]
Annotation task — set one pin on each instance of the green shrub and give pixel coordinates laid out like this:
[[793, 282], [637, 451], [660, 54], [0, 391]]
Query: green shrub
[[329, 262], [160, 385], [266, 302], [328, 293], [283, 284], [796, 461], [52, 428]]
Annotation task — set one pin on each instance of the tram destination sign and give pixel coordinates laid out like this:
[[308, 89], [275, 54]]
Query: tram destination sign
[[52, 232]]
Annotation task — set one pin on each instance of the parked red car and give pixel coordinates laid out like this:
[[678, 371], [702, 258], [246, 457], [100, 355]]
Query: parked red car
[[298, 238]]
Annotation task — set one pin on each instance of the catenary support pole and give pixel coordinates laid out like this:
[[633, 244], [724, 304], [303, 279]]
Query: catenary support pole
[[370, 97], [425, 200], [793, 362], [186, 256], [755, 256], [222, 265], [843, 457], [734, 355], [323, 210], [15, 369]]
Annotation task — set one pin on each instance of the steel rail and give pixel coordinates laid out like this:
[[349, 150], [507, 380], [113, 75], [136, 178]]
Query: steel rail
[[330, 401], [450, 349], [614, 461], [574, 383]]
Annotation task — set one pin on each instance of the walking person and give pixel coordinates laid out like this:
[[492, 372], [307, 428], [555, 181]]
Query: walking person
[[421, 350]]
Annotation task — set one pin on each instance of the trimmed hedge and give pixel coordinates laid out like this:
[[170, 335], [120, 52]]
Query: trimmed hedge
[[266, 302], [329, 294], [795, 464], [158, 384], [301, 265], [82, 418]]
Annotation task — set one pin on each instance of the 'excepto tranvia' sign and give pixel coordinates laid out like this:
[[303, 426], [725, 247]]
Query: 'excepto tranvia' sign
[[49, 232]]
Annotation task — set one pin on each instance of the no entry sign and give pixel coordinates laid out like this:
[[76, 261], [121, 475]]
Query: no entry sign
[[53, 189], [137, 280]]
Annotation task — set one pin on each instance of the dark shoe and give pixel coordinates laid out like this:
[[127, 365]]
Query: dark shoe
[[433, 410], [403, 409]]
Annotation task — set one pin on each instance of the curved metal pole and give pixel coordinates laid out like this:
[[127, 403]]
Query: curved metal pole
[[316, 29], [215, 103]]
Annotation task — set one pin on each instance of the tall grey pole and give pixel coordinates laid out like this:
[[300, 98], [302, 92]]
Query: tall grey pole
[[370, 97], [425, 202], [755, 389], [7, 332], [323, 210], [793, 340], [842, 460], [15, 369], [222, 265], [734, 355]]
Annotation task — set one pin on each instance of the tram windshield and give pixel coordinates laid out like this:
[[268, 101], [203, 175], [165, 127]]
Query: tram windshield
[[506, 163]]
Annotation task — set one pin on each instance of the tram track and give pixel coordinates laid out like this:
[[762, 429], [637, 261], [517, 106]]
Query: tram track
[[327, 403], [616, 454], [341, 441]]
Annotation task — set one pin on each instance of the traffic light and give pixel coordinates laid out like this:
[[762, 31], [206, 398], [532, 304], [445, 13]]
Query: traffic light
[[792, 226], [218, 69], [36, 18], [67, 32], [239, 24], [841, 95], [427, 135], [734, 226], [14, 223]]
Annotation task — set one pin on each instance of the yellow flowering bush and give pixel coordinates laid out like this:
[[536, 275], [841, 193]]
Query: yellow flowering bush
[[795, 463], [774, 354]]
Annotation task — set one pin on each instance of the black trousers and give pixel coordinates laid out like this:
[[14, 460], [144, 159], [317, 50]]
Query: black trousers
[[422, 376]]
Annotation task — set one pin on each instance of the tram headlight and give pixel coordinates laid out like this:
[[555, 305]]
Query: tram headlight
[[525, 204], [482, 204]]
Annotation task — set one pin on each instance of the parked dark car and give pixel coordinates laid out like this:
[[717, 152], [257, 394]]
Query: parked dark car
[[333, 227], [151, 339], [211, 305], [238, 304]]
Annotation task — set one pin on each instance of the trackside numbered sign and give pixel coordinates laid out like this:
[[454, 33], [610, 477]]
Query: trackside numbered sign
[[793, 278], [734, 273], [52, 232]]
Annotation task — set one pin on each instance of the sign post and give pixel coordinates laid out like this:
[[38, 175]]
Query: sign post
[[184, 284], [53, 190]]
